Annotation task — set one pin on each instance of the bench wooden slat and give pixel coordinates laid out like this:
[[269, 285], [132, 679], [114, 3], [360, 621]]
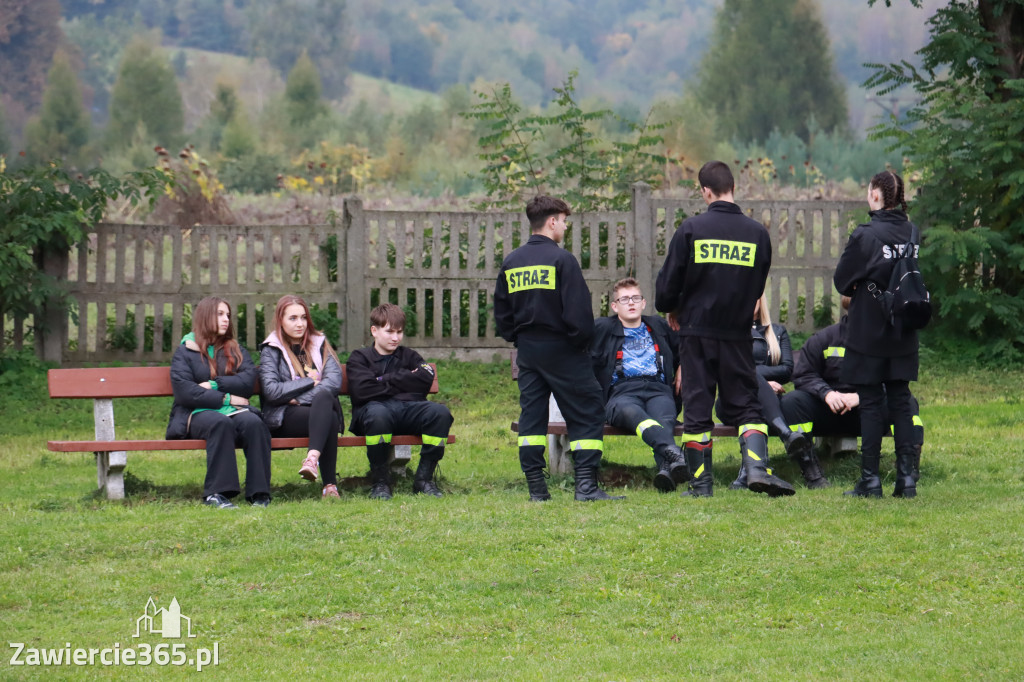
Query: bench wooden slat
[[110, 382], [136, 382], [192, 444], [560, 429]]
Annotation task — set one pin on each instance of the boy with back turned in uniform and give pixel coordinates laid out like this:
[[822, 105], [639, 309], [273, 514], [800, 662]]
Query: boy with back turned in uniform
[[714, 272], [543, 306]]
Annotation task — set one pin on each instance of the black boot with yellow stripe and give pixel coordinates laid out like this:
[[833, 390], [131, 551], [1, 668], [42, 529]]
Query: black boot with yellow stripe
[[698, 461], [754, 448]]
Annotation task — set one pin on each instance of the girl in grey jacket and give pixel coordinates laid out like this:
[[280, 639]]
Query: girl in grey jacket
[[300, 378]]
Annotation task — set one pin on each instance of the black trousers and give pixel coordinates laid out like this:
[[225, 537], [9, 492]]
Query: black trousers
[[874, 420], [803, 410], [321, 422], [380, 420], [222, 435], [728, 365], [646, 407], [552, 366]]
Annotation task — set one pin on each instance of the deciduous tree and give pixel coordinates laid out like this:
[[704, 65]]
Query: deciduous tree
[[281, 30], [965, 137], [29, 35]]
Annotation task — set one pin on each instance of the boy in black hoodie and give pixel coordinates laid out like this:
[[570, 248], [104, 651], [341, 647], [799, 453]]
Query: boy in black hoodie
[[388, 385]]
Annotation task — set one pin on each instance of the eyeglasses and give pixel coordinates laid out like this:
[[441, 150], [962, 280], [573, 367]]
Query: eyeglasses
[[623, 300]]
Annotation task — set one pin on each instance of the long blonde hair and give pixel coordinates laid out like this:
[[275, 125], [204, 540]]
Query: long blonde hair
[[764, 318]]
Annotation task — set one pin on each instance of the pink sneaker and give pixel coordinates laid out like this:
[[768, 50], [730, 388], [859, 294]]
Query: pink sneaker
[[309, 468], [331, 490]]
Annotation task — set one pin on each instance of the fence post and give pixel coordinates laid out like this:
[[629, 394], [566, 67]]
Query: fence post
[[51, 324], [355, 272], [643, 238]]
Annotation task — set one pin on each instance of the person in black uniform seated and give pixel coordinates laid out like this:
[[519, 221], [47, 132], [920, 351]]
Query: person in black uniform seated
[[773, 356], [543, 306], [213, 378], [715, 270], [388, 385], [634, 362], [881, 359], [822, 404]]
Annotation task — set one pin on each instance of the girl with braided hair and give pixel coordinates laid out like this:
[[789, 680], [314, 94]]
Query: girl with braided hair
[[881, 359]]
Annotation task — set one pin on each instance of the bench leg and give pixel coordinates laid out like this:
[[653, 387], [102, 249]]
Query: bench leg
[[400, 456], [110, 473], [833, 446], [559, 459], [109, 465]]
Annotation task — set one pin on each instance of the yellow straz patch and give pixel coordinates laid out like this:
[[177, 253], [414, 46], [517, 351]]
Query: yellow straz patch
[[722, 251], [532, 277]]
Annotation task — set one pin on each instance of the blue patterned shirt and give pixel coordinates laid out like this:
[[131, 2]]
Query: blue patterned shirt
[[639, 358]]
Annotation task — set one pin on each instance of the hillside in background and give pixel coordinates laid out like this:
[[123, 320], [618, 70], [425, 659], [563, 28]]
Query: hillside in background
[[628, 54]]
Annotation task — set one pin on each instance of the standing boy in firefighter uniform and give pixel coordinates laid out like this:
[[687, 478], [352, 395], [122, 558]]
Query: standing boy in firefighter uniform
[[542, 305], [714, 273], [635, 365]]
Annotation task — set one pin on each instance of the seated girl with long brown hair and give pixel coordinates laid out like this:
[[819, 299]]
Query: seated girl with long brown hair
[[300, 378], [213, 377]]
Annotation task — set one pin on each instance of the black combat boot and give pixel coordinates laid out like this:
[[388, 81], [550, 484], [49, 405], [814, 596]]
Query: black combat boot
[[423, 480], [760, 479], [586, 486], [906, 484], [701, 483], [380, 475], [869, 484], [741, 477], [537, 485], [810, 467], [672, 471]]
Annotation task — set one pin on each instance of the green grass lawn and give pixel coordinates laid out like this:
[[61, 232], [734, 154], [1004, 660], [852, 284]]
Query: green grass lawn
[[483, 584]]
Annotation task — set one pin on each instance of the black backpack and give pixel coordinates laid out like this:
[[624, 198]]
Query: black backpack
[[907, 303]]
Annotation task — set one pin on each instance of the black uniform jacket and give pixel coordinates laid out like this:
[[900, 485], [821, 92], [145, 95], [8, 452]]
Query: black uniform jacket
[[541, 291], [819, 362], [870, 256], [781, 372], [189, 368], [608, 339], [714, 272], [403, 375]]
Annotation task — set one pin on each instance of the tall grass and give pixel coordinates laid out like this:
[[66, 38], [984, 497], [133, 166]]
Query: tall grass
[[483, 584]]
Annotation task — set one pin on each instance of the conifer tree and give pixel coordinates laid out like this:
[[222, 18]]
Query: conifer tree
[[146, 92], [62, 128], [302, 93], [770, 66]]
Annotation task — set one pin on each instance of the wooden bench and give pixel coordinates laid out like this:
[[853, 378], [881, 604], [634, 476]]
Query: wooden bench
[[559, 460], [105, 384]]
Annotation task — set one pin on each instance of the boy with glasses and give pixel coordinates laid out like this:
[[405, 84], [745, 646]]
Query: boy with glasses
[[635, 365]]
